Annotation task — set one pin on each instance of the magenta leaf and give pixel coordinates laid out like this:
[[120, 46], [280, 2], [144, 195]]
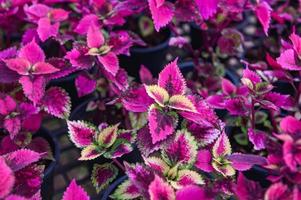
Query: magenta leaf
[[182, 150], [244, 162], [75, 192], [247, 189], [222, 146], [203, 161], [103, 175], [33, 88], [159, 189], [228, 87], [81, 133], [41, 68], [107, 136], [161, 15], [7, 104], [7, 179], [84, 85], [57, 102], [258, 138], [192, 192], [95, 38], [263, 13], [288, 60], [136, 100], [161, 124], [19, 159], [145, 75], [19, 65], [236, 106], [13, 126], [290, 125], [171, 79], [85, 22], [46, 30], [207, 8], [32, 52], [277, 191], [110, 62], [187, 177]]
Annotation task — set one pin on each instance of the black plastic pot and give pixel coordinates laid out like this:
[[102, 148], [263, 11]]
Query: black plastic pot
[[47, 188], [152, 57], [112, 187]]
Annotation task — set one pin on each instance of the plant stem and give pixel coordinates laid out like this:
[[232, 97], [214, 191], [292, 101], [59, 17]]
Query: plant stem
[[253, 114], [119, 164]]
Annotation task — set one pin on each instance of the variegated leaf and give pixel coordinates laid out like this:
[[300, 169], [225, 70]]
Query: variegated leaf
[[222, 146], [90, 152], [171, 79], [187, 177], [118, 149], [107, 136], [157, 93], [103, 175], [182, 150], [126, 190], [161, 124], [81, 133], [159, 188], [157, 164], [224, 169], [182, 103]]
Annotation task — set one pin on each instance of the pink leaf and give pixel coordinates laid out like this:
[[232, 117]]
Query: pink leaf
[[288, 60], [277, 191], [75, 192], [161, 124], [244, 162], [21, 158], [7, 104], [57, 102], [84, 85], [161, 15], [258, 138], [203, 161], [33, 88], [145, 75], [32, 52], [252, 76], [171, 79], [41, 68], [159, 189], [58, 14], [247, 189], [263, 13], [290, 125], [296, 40], [157, 93], [236, 106], [110, 62], [46, 30], [192, 192], [228, 87], [136, 100], [13, 126], [19, 65], [207, 8], [81, 133], [85, 22], [95, 37], [7, 179]]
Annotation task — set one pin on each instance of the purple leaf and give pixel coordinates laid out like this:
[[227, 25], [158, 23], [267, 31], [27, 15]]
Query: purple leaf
[[13, 126], [81, 133], [161, 15], [203, 161], [7, 104], [57, 102], [258, 138], [236, 106], [103, 175], [171, 79], [75, 192], [244, 162], [247, 189], [161, 124], [7, 75], [277, 191], [19, 159], [7, 179], [159, 189], [207, 8], [84, 85], [33, 88]]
